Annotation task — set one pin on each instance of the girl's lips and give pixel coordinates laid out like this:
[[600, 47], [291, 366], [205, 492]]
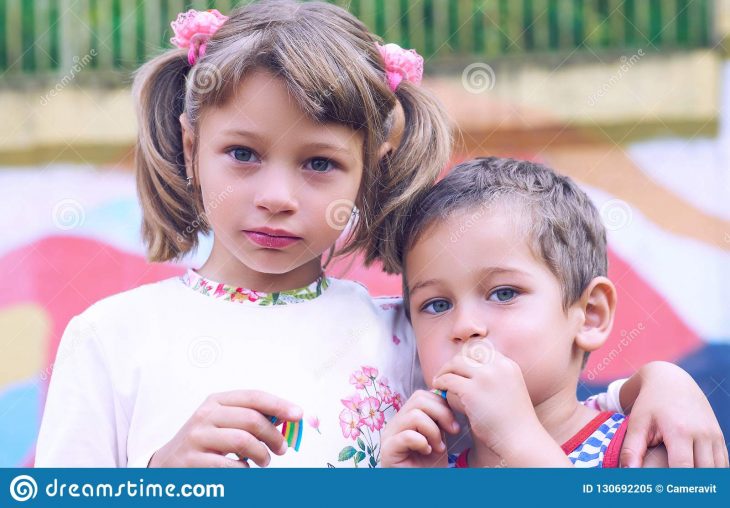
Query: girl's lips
[[271, 241]]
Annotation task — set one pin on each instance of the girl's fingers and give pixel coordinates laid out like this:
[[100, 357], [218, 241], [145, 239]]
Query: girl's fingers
[[412, 441], [680, 451], [420, 422], [719, 450], [253, 422], [704, 456], [240, 442], [718, 455], [263, 402], [215, 460], [438, 410], [635, 444]]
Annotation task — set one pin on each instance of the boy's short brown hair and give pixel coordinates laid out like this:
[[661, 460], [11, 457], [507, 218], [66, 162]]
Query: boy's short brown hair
[[565, 228]]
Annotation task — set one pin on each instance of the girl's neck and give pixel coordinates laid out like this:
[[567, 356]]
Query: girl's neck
[[232, 272]]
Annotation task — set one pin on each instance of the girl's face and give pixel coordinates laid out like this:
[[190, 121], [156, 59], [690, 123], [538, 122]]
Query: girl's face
[[277, 186]]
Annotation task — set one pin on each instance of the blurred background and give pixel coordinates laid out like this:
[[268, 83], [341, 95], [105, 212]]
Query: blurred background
[[629, 97]]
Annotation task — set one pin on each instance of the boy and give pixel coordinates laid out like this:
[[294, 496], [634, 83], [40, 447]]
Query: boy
[[505, 284]]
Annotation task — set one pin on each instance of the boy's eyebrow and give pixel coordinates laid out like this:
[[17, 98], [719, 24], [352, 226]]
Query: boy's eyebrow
[[500, 270], [423, 284], [485, 272]]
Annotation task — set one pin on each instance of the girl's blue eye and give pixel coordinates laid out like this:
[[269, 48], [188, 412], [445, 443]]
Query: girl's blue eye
[[321, 165], [243, 155], [437, 307], [503, 295]]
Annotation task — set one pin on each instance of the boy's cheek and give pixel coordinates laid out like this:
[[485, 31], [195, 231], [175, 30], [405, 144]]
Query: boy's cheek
[[433, 355]]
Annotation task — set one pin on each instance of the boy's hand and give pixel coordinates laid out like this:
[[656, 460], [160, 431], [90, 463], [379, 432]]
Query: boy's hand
[[229, 422], [490, 390], [414, 437], [669, 407]]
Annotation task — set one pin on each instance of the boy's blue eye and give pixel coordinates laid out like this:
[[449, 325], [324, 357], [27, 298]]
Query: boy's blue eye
[[436, 306], [243, 155], [321, 165], [503, 295]]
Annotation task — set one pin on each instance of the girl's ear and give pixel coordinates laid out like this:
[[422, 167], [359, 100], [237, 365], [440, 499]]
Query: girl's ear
[[395, 133], [188, 140], [598, 304]]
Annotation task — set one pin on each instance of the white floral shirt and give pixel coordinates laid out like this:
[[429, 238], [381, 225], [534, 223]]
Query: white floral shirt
[[132, 369]]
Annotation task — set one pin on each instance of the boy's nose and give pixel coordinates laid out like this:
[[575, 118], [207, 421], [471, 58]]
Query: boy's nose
[[468, 324]]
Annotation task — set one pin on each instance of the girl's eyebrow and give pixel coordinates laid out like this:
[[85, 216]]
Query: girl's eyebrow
[[244, 133], [327, 146], [317, 145]]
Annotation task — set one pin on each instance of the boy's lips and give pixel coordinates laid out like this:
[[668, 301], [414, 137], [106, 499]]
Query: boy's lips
[[271, 238]]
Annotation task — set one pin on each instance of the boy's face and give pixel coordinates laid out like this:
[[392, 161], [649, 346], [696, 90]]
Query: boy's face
[[473, 276]]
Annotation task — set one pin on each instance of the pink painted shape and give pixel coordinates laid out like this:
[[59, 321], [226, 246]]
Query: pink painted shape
[[65, 275], [665, 336]]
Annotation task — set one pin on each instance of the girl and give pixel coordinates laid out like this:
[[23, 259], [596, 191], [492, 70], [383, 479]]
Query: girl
[[270, 128]]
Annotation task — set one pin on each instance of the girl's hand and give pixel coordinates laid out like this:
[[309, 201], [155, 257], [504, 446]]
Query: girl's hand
[[229, 422], [414, 437], [491, 392], [669, 408]]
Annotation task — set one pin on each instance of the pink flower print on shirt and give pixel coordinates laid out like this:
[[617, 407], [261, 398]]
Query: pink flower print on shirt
[[397, 401], [365, 414], [372, 416], [350, 423], [234, 294], [353, 403], [244, 294], [370, 372], [395, 340], [220, 290], [385, 394], [359, 379], [313, 422]]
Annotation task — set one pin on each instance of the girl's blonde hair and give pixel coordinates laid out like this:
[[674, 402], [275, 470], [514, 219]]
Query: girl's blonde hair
[[331, 66]]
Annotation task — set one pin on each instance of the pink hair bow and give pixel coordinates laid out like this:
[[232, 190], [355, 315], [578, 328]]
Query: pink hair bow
[[401, 64], [193, 29]]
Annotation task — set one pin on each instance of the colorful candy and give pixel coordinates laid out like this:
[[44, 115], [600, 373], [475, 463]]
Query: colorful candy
[[442, 393], [292, 432]]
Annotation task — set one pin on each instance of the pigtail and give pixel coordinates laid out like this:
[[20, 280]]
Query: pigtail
[[171, 217], [407, 173]]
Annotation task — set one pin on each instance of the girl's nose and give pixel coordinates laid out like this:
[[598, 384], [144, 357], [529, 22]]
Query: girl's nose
[[276, 191]]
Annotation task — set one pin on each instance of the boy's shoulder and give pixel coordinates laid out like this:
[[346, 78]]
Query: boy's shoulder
[[358, 289]]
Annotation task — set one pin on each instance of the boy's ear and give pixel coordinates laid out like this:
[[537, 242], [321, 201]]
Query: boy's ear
[[188, 140], [598, 304]]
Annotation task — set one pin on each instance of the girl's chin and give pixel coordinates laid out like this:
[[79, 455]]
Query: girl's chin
[[273, 262]]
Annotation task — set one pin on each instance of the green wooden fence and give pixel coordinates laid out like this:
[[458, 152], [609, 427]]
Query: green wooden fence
[[40, 37]]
